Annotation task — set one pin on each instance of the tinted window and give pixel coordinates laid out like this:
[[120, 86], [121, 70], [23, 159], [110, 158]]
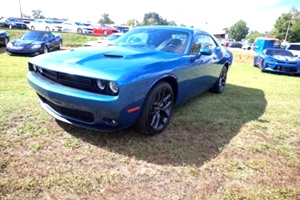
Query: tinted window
[[200, 41], [294, 47]]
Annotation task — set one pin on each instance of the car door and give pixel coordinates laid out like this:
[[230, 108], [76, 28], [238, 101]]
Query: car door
[[204, 71]]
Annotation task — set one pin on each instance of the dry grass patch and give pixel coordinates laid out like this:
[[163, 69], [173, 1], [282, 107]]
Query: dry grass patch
[[243, 144]]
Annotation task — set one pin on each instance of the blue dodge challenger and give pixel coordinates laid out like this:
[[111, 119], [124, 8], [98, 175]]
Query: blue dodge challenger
[[136, 81]]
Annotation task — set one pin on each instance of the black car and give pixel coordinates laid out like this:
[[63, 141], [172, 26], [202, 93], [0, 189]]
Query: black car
[[4, 38], [34, 43], [234, 44], [14, 22]]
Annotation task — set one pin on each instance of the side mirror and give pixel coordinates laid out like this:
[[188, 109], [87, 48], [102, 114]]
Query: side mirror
[[204, 51]]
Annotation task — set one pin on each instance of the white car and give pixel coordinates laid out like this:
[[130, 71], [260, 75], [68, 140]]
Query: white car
[[76, 27], [44, 25], [105, 41], [294, 48]]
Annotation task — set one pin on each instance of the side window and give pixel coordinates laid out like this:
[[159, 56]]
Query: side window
[[202, 40]]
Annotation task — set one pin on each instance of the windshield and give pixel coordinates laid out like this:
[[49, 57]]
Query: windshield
[[37, 36], [272, 52], [159, 39]]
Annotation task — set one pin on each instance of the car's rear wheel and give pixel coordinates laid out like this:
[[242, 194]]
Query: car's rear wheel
[[219, 86], [10, 26], [79, 31], [105, 32], [47, 28], [157, 109], [32, 28]]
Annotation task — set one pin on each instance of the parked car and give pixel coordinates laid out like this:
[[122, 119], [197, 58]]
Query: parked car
[[76, 27], [121, 29], [104, 42], [225, 42], [294, 48], [14, 22], [103, 29], [234, 44], [248, 46], [2, 22], [137, 81], [44, 25], [4, 38], [34, 43], [277, 60]]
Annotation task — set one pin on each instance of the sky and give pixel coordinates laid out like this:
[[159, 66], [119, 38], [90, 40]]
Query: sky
[[210, 15]]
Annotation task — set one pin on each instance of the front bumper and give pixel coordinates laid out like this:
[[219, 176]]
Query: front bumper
[[81, 108], [25, 51], [284, 68]]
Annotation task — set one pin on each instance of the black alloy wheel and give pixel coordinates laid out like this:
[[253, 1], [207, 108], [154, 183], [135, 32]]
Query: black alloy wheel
[[157, 109]]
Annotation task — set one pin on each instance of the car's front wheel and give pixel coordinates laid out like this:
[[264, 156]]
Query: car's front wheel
[[45, 49], [219, 86], [262, 66], [59, 44], [79, 31], [6, 40], [32, 28], [10, 26], [105, 32], [47, 28], [157, 109]]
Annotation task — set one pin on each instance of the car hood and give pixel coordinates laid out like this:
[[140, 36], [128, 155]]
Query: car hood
[[285, 58], [107, 63], [25, 43]]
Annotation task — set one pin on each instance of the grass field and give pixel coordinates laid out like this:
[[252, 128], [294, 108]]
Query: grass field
[[242, 144]]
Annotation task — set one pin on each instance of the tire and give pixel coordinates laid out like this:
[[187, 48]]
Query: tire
[[219, 85], [262, 67], [79, 31], [10, 26], [47, 28], [157, 110], [45, 49], [6, 40], [59, 45], [32, 28], [105, 32]]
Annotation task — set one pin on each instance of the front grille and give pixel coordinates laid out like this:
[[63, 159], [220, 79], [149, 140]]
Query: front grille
[[72, 113], [73, 81]]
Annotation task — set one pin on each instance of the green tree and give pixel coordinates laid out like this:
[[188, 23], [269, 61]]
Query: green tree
[[239, 30], [105, 19], [132, 22], [153, 18], [287, 26], [37, 14], [253, 35]]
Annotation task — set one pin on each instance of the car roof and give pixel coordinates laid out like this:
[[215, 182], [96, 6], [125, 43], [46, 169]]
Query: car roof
[[178, 28]]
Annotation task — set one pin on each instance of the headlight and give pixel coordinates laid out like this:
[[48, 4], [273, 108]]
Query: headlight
[[36, 46], [114, 88], [9, 45], [272, 62], [101, 84]]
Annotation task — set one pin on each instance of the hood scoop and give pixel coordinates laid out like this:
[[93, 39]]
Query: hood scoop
[[112, 56]]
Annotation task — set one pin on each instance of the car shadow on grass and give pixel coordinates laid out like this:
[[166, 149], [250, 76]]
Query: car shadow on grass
[[198, 131]]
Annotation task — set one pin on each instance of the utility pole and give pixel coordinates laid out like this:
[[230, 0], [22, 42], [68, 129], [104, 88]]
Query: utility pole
[[287, 31], [20, 9]]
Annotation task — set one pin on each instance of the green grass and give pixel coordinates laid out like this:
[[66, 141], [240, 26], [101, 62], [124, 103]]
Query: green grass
[[242, 144]]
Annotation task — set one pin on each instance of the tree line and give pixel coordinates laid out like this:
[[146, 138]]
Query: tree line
[[286, 27]]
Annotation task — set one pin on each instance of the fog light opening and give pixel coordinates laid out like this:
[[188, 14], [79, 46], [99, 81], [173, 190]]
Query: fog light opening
[[111, 122]]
